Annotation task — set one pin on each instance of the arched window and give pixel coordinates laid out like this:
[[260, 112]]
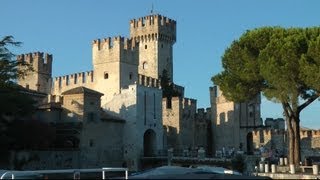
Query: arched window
[[130, 76], [145, 46]]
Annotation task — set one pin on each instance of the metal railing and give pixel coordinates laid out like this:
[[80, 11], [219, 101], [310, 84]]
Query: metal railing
[[76, 172]]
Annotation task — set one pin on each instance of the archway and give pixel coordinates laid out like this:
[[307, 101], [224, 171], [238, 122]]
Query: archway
[[249, 143], [149, 143]]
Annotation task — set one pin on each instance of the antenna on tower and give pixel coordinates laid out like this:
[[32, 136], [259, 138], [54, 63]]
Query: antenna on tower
[[152, 8]]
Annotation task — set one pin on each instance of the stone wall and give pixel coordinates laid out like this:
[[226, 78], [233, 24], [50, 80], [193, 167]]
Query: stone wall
[[233, 122], [179, 119], [102, 144], [41, 160]]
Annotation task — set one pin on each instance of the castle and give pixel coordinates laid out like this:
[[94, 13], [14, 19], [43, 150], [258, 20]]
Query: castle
[[116, 113], [117, 110]]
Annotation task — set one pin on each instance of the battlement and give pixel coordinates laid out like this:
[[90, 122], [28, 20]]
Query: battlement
[[153, 26], [203, 114], [278, 123], [149, 81], [41, 62], [114, 49], [268, 132], [152, 20], [65, 82], [188, 102], [309, 133], [203, 111], [109, 43]]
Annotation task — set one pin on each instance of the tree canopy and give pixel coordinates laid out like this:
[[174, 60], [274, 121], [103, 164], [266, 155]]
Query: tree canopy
[[283, 64], [14, 105], [167, 86], [12, 100], [9, 70]]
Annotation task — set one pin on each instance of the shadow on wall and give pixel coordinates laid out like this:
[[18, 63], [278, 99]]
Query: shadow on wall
[[125, 112], [171, 134]]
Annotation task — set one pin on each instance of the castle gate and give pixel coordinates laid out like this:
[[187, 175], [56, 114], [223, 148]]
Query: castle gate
[[149, 143]]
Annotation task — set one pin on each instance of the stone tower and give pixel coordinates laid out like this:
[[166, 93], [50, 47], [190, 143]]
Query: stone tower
[[115, 65], [156, 35], [40, 78]]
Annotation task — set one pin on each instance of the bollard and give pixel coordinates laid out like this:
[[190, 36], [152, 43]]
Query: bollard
[[281, 161], [285, 161], [261, 167], [266, 168], [315, 169], [292, 169], [273, 168]]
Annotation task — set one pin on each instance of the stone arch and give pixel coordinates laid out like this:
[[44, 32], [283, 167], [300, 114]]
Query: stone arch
[[250, 143], [149, 143]]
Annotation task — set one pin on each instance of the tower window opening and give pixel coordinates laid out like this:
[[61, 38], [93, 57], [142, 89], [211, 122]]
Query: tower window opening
[[106, 75], [145, 65], [130, 76], [145, 46]]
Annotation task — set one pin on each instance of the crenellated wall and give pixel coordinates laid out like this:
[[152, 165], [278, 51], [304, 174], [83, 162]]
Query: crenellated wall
[[66, 82], [238, 118], [153, 26], [269, 138], [149, 81], [114, 49], [202, 131], [278, 123], [178, 118]]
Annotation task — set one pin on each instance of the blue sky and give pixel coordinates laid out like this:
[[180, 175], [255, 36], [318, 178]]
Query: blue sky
[[205, 28]]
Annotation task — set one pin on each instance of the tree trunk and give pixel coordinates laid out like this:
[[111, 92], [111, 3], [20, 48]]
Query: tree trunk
[[290, 141], [293, 126], [296, 128]]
